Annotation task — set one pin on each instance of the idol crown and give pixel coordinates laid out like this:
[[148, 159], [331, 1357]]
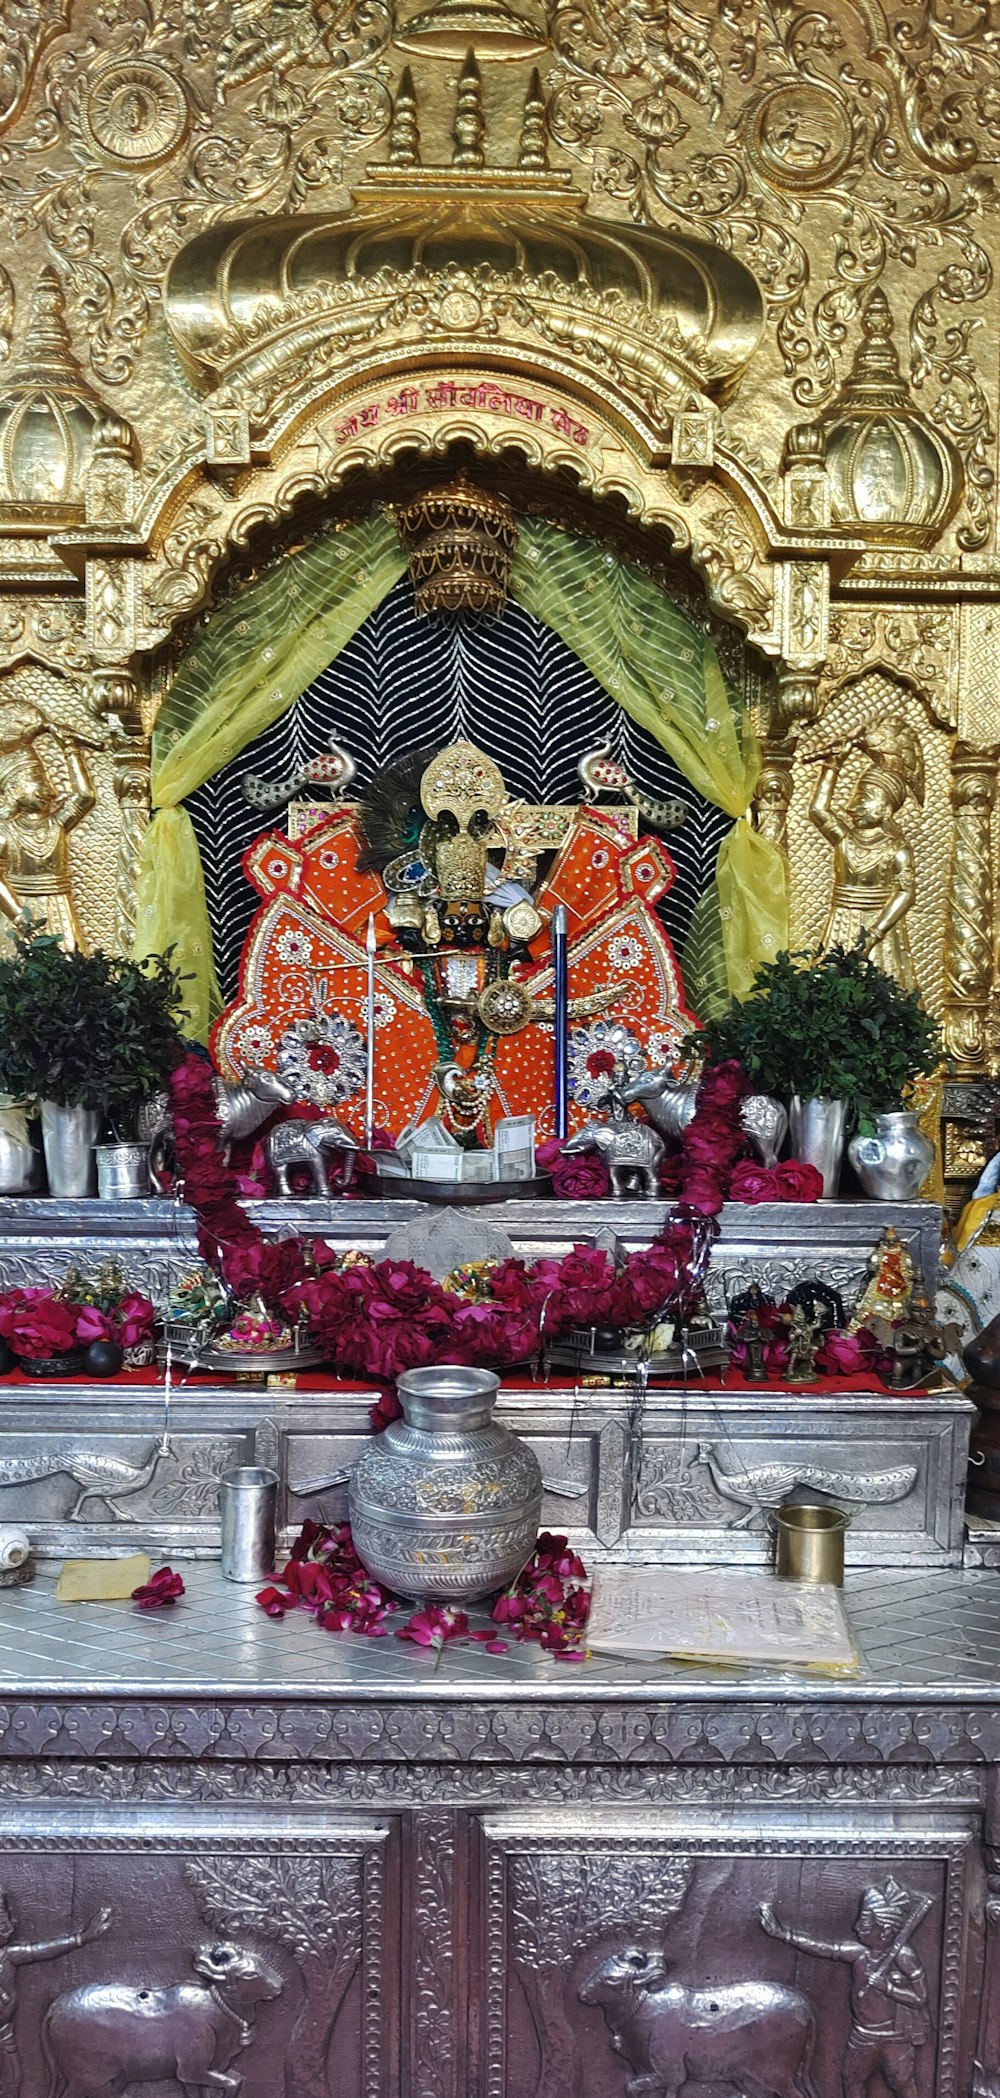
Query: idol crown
[[459, 540]]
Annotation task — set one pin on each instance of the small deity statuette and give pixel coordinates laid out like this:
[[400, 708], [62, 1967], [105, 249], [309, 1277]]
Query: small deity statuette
[[754, 1341], [918, 1345], [804, 1336], [37, 814], [888, 1295]]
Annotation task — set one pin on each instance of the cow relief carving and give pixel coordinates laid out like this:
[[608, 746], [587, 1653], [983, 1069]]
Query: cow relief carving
[[105, 2035], [755, 2036]]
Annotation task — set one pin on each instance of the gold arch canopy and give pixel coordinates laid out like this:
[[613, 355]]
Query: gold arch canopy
[[678, 271]]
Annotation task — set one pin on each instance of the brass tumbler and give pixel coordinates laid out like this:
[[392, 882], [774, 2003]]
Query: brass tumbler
[[809, 1542]]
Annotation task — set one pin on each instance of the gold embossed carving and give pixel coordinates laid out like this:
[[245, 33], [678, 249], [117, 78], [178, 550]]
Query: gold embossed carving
[[970, 907], [111, 608], [131, 777], [869, 830], [843, 158], [774, 790]]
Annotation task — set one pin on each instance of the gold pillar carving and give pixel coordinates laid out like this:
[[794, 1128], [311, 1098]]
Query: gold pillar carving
[[797, 699], [132, 791], [774, 789], [969, 944]]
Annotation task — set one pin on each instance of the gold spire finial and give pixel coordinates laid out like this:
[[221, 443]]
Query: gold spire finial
[[470, 124], [533, 152], [404, 131], [46, 352]]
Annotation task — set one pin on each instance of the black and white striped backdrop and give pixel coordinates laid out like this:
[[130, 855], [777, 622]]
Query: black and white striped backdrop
[[509, 684]]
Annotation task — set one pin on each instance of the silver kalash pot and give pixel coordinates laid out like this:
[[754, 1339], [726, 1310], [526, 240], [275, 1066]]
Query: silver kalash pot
[[893, 1164], [445, 1503]]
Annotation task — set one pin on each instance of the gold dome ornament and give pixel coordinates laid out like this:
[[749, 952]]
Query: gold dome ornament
[[50, 421], [449, 28], [657, 307], [892, 474]]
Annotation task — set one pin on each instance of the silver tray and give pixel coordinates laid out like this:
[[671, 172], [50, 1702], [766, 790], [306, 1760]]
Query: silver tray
[[666, 1362], [252, 1361], [462, 1194]]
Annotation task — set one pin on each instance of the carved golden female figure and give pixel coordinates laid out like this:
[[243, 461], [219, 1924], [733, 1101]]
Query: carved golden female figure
[[35, 819], [874, 880]]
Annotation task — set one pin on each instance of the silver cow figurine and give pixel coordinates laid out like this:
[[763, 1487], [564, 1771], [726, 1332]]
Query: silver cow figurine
[[306, 1144], [668, 1101], [108, 2034], [242, 1109], [633, 1151]]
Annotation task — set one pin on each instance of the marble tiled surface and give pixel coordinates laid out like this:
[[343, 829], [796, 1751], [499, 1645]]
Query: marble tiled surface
[[934, 1633]]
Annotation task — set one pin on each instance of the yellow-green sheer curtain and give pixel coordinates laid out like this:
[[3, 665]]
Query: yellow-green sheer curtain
[[248, 665], [665, 674]]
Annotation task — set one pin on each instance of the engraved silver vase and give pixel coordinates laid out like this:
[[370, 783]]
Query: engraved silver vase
[[766, 1124], [68, 1137], [818, 1128], [445, 1503], [893, 1164], [122, 1171], [20, 1163]]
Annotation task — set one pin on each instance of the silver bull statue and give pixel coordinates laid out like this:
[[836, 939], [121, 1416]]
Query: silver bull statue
[[756, 2037], [105, 2035]]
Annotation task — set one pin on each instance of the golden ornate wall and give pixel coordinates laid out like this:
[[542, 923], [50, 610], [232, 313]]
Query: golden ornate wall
[[727, 265]]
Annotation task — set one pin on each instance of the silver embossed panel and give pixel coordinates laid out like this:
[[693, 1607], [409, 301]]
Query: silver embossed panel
[[760, 1957], [170, 1950]]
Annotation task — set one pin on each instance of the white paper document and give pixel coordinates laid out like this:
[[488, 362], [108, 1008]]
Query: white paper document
[[699, 1614]]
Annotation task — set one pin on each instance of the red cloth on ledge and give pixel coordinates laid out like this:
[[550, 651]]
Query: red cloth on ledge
[[319, 1383]]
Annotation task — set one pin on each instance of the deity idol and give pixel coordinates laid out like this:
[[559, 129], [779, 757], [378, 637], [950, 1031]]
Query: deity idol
[[35, 819], [448, 867], [874, 882]]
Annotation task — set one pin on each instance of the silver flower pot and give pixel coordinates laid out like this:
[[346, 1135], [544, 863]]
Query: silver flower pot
[[445, 1503], [20, 1163], [818, 1127], [68, 1136], [122, 1171], [893, 1164]]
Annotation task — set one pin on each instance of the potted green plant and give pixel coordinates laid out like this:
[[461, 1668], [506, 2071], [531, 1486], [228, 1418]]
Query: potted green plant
[[834, 1036], [90, 1037]]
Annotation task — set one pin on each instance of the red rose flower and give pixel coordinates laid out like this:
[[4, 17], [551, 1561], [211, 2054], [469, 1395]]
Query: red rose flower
[[798, 1182], [36, 1323], [583, 1179], [753, 1183], [704, 1190], [164, 1588]]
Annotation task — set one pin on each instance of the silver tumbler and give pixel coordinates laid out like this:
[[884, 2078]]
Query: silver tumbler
[[247, 1504]]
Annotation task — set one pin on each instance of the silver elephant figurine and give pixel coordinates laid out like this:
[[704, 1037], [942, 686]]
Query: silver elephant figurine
[[766, 1124], [306, 1144], [633, 1151]]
